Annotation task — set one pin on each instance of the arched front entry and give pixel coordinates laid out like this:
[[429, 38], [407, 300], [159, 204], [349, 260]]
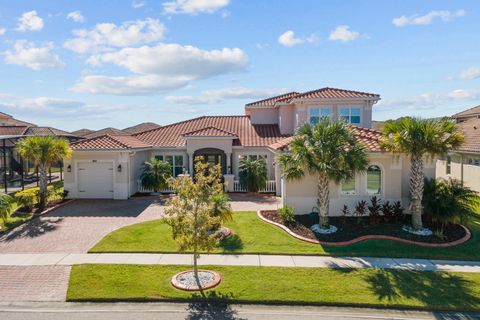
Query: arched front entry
[[212, 156]]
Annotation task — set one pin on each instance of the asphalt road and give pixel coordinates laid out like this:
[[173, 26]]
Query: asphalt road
[[174, 311]]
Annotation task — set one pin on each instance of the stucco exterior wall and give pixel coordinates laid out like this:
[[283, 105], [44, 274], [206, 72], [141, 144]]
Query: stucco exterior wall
[[264, 116], [137, 160], [286, 119], [469, 174], [302, 194]]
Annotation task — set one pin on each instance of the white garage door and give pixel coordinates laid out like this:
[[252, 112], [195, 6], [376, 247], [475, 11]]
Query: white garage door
[[95, 180]]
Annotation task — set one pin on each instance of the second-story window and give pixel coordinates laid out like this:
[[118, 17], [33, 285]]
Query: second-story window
[[317, 113], [351, 115]]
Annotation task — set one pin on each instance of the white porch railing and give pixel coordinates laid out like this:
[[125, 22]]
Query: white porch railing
[[269, 188], [141, 189]]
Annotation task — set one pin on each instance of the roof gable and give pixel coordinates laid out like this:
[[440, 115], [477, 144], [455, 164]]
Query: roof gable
[[110, 142], [469, 112]]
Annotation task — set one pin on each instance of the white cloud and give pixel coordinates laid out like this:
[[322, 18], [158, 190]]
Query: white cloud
[[127, 85], [470, 73], [178, 66], [417, 20], [49, 103], [2, 31], [288, 39], [218, 95], [76, 16], [431, 100], [176, 60], [343, 33], [29, 21], [28, 55], [193, 6], [104, 36], [137, 4]]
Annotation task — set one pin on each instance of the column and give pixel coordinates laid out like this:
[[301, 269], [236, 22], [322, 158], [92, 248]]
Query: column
[[190, 164], [229, 169]]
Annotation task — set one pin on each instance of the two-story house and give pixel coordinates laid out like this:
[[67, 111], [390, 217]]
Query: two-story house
[[109, 166]]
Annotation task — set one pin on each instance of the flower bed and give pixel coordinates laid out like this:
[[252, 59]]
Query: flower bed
[[351, 230]]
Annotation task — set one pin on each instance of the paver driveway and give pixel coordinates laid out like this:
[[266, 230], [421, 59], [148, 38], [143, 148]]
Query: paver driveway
[[76, 227]]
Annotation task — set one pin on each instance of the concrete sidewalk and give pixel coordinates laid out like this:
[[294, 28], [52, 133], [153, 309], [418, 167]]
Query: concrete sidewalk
[[68, 259]]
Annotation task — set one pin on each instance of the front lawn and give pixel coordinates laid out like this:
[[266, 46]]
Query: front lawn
[[255, 236], [357, 287]]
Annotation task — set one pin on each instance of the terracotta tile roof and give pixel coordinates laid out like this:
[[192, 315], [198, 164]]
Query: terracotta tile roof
[[368, 137], [81, 132], [323, 93], [471, 131], [475, 111], [145, 126], [110, 142], [209, 132], [8, 120], [271, 101], [12, 130], [248, 134], [104, 131], [334, 93], [47, 131]]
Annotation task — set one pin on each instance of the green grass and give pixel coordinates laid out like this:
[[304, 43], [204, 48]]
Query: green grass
[[358, 287], [14, 221], [255, 236]]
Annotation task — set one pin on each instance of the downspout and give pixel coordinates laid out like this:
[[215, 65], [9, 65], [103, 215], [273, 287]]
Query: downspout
[[461, 169]]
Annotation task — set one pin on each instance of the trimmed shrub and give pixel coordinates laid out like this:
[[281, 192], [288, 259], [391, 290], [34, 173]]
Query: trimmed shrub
[[287, 213], [28, 198]]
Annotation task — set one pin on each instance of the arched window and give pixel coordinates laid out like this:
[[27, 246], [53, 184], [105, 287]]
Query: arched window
[[374, 180]]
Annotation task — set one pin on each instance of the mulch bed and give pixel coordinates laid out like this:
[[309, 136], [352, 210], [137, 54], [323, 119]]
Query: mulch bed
[[350, 228]]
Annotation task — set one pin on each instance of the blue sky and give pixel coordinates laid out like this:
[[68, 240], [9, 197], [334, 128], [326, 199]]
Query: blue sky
[[93, 64]]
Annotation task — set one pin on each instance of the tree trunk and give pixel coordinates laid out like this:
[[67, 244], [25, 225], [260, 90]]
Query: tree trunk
[[416, 190], [43, 188], [323, 200], [195, 253]]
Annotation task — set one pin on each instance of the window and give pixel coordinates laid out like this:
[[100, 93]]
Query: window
[[350, 115], [348, 186], [317, 113], [253, 156], [176, 162], [449, 165], [374, 180]]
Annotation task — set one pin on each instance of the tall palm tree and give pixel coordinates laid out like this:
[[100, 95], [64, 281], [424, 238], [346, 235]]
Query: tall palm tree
[[156, 174], [329, 151], [44, 151], [417, 137]]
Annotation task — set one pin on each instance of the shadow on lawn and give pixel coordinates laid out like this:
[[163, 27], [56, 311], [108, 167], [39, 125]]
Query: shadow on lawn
[[231, 244], [211, 307], [438, 289]]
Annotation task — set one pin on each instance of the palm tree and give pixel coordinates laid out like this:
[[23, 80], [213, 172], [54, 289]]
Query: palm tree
[[221, 207], [253, 174], [6, 207], [156, 174], [417, 137], [44, 151], [329, 151]]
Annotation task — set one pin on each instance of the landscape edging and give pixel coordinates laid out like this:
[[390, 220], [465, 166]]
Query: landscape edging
[[465, 238]]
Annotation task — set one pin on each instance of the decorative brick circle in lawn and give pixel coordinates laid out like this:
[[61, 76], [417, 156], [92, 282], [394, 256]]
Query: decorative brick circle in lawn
[[186, 280]]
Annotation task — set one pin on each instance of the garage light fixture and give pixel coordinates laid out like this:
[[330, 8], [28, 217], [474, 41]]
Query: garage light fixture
[[69, 168], [119, 168]]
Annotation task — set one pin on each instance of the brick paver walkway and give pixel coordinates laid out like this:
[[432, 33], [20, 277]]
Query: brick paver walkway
[[34, 283]]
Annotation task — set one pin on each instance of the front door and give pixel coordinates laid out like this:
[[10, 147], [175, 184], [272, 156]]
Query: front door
[[212, 157]]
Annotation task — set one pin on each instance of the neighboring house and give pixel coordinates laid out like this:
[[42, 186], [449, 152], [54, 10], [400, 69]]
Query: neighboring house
[[145, 126], [104, 131], [465, 115], [464, 163], [12, 168], [82, 132], [109, 166]]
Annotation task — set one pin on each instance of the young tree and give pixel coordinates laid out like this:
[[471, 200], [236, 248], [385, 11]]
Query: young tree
[[44, 151], [189, 213], [253, 174], [417, 137], [156, 174], [329, 151]]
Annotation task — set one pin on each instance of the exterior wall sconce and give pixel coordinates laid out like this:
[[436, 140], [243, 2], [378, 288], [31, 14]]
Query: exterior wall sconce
[[69, 168], [119, 168]]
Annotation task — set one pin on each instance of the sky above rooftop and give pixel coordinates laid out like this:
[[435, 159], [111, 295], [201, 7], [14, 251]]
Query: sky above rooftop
[[105, 63]]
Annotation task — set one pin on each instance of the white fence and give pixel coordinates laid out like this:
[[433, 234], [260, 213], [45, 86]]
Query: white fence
[[269, 188], [141, 189]]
